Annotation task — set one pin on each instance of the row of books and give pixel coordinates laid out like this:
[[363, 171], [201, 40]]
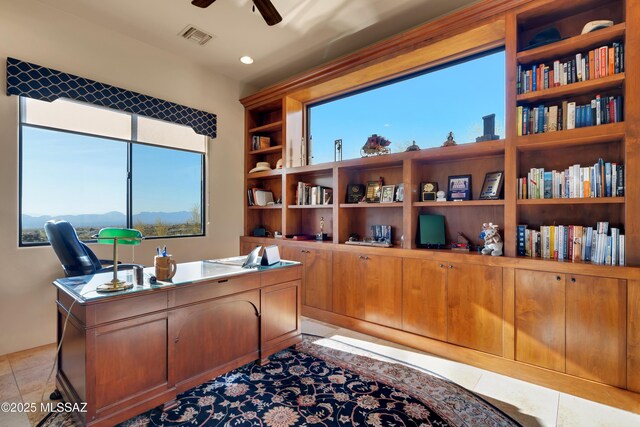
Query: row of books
[[260, 142], [600, 62], [569, 115], [308, 194], [573, 243], [600, 180]]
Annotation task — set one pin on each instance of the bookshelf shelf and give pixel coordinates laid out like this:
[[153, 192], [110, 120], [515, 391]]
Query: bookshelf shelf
[[371, 205], [266, 174], [574, 89], [574, 201], [568, 138], [572, 45], [264, 207], [269, 127], [463, 203], [310, 206], [274, 149]]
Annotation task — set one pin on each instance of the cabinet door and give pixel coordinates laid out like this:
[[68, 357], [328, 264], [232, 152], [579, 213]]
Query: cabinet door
[[540, 319], [424, 298], [211, 334], [348, 284], [130, 359], [474, 315], [280, 312], [383, 282], [317, 287], [596, 329]]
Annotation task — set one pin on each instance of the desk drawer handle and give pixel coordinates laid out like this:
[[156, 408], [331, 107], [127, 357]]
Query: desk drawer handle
[[223, 281], [573, 280], [364, 257], [558, 278]]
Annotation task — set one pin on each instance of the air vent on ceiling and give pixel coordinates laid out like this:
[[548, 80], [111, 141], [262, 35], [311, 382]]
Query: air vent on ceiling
[[195, 35]]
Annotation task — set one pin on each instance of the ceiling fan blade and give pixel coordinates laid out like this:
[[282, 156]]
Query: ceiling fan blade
[[202, 3], [268, 11]]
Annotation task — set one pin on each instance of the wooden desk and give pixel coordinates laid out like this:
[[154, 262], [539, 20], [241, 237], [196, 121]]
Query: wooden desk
[[128, 352]]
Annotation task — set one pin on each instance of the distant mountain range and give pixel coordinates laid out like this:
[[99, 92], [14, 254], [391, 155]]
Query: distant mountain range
[[108, 219]]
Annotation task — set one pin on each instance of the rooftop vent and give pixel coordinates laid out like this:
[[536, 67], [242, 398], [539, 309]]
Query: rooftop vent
[[195, 35]]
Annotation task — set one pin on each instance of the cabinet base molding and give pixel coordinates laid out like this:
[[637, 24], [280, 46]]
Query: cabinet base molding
[[597, 392]]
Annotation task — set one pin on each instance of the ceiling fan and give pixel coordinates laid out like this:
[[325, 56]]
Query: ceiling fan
[[265, 7]]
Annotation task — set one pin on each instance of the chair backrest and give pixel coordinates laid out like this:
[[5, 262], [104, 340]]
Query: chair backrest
[[76, 257]]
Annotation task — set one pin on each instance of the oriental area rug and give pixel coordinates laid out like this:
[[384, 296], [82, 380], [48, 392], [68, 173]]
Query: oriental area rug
[[322, 383]]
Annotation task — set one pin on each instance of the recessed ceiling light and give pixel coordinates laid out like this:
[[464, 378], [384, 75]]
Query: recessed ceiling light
[[246, 60]]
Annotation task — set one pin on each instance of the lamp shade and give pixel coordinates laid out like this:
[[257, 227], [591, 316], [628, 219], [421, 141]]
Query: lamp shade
[[124, 236]]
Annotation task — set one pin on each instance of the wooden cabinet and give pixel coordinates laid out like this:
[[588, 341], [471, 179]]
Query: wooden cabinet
[[572, 323], [317, 277], [424, 298], [199, 329], [280, 319], [246, 247], [596, 329], [130, 358], [474, 306], [368, 287], [540, 319]]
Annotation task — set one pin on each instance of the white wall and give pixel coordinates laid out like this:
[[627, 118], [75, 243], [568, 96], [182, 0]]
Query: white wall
[[37, 33]]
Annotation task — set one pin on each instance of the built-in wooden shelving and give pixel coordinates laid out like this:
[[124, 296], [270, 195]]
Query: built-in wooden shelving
[[574, 89]]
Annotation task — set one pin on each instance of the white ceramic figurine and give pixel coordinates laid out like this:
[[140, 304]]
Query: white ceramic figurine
[[492, 240]]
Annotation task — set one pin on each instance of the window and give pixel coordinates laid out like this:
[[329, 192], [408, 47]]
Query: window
[[423, 107], [98, 168]]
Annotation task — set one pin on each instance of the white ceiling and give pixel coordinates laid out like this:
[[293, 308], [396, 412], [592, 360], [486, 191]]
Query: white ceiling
[[311, 33]]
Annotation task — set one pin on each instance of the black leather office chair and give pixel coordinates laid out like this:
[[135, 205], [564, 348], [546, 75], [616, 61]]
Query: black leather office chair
[[76, 257]]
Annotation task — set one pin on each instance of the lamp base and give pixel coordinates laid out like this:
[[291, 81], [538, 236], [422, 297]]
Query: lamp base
[[114, 286]]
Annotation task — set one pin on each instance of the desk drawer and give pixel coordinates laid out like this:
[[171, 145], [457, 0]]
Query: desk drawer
[[130, 307], [216, 288], [281, 275]]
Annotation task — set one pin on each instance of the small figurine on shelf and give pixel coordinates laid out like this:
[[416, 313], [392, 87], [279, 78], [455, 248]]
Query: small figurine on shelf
[[322, 235], [450, 142], [441, 196], [413, 147], [492, 240]]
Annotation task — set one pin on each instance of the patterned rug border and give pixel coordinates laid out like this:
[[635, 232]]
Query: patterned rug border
[[418, 368], [453, 403], [406, 388]]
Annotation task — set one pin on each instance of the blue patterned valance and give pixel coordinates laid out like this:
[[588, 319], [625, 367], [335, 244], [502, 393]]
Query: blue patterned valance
[[46, 84]]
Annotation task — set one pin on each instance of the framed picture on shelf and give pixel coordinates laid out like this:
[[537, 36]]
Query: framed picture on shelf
[[459, 188], [492, 186], [400, 193], [387, 193], [355, 193], [428, 191], [373, 192]]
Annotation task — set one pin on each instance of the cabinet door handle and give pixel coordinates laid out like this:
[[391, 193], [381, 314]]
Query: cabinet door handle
[[450, 266], [558, 278], [176, 339], [364, 257], [441, 265], [573, 280], [223, 281]]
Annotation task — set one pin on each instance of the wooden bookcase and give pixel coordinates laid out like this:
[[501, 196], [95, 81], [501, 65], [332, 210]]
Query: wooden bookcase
[[343, 286]]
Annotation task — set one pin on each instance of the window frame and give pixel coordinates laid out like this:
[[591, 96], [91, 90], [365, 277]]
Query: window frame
[[392, 80], [129, 184]]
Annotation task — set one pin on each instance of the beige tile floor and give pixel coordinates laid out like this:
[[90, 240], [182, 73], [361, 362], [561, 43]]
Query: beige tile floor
[[23, 377], [528, 403], [24, 374]]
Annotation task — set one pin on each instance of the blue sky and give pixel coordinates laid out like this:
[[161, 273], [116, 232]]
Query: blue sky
[[424, 109], [69, 174]]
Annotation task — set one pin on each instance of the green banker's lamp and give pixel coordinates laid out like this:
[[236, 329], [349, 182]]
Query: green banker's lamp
[[117, 236]]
